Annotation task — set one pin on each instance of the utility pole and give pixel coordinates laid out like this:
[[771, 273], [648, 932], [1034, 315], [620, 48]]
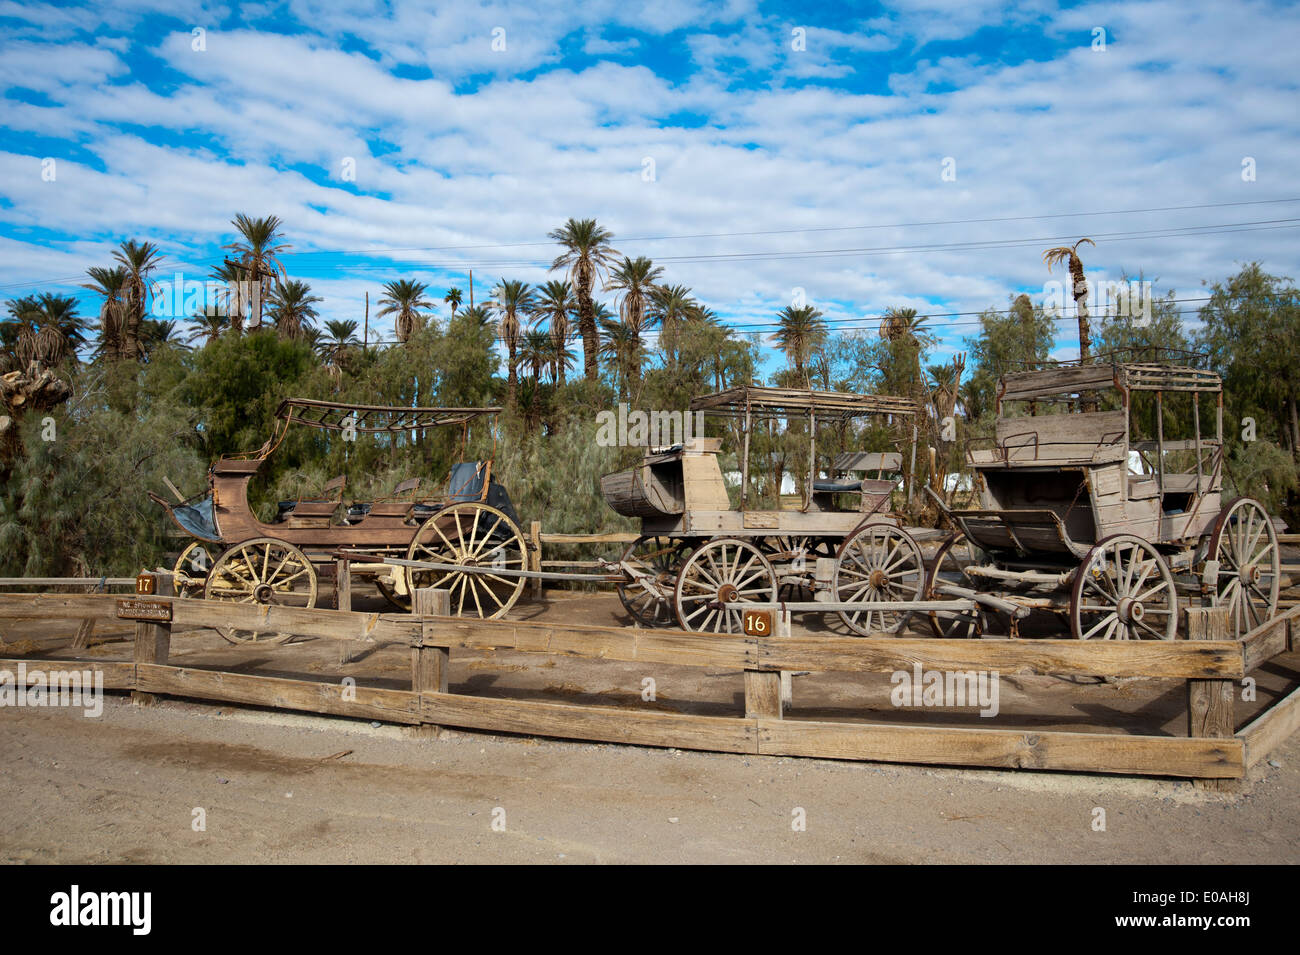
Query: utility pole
[[365, 335], [471, 288]]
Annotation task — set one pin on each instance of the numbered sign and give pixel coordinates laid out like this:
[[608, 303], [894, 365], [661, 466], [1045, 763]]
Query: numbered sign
[[757, 623], [144, 584]]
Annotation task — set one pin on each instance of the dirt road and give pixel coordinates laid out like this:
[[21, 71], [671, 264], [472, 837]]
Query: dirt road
[[279, 787]]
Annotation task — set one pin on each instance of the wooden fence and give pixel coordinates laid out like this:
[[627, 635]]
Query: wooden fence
[[1211, 665]]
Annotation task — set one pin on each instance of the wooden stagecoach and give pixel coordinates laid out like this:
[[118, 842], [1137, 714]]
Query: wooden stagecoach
[[1085, 517], [699, 557], [466, 521]]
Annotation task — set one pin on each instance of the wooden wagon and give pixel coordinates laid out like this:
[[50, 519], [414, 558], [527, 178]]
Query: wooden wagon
[[467, 521], [1093, 510], [700, 558]]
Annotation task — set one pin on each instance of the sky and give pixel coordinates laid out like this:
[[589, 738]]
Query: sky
[[918, 153]]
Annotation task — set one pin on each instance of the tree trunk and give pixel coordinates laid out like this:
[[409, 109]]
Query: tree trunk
[[587, 326]]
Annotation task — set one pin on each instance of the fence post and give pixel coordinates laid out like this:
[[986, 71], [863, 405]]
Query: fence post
[[343, 601], [1210, 702], [153, 640], [429, 665], [535, 535]]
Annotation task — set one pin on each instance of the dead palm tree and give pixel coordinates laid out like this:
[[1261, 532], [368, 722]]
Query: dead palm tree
[[257, 252], [405, 298], [292, 307], [513, 301], [1079, 289], [587, 253], [139, 259]]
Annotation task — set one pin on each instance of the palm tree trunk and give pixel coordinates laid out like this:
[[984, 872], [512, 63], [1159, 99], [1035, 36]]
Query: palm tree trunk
[[587, 325]]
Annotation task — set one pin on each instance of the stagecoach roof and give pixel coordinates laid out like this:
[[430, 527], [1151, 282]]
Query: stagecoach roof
[[1067, 381], [795, 402], [372, 419]]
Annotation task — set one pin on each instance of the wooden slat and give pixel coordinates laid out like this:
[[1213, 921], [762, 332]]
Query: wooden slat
[[1018, 749], [1270, 730], [612, 643], [567, 721], [394, 706], [56, 606], [117, 676], [316, 622], [1267, 640], [1156, 658]]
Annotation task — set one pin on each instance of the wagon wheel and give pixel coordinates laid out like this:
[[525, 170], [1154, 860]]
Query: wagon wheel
[[800, 551], [1244, 543], [190, 571], [470, 535], [878, 563], [661, 557], [954, 554], [1124, 590], [725, 570], [262, 571]]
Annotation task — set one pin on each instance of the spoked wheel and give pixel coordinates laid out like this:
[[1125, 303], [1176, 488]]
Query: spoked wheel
[[954, 555], [190, 572], [1244, 543], [719, 572], [649, 601], [470, 535], [878, 563], [1124, 590], [262, 571], [795, 555]]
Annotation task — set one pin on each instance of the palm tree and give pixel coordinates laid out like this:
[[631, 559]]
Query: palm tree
[[799, 332], [208, 326], [139, 259], [637, 280], [670, 306], [513, 301], [535, 351], [622, 348], [1070, 253], [44, 328], [339, 337], [258, 254], [555, 305], [587, 253], [109, 283], [405, 298], [453, 298], [236, 296], [161, 332], [292, 308]]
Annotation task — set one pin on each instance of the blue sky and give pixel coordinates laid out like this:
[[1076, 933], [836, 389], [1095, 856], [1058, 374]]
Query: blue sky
[[793, 146]]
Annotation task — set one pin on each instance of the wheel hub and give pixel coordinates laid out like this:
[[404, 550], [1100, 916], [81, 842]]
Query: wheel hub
[[728, 593], [1251, 574], [1130, 610], [262, 593], [878, 580]]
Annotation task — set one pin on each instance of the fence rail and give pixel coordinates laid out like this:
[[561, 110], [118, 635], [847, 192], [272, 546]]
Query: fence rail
[[1210, 663]]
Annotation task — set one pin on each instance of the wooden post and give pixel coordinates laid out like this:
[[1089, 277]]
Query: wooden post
[[762, 694], [429, 665], [535, 534], [343, 600], [1210, 702], [781, 628], [152, 640]]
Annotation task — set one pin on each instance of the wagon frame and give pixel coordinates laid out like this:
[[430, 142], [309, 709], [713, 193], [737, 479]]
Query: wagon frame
[[1081, 519], [470, 524], [700, 561]]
